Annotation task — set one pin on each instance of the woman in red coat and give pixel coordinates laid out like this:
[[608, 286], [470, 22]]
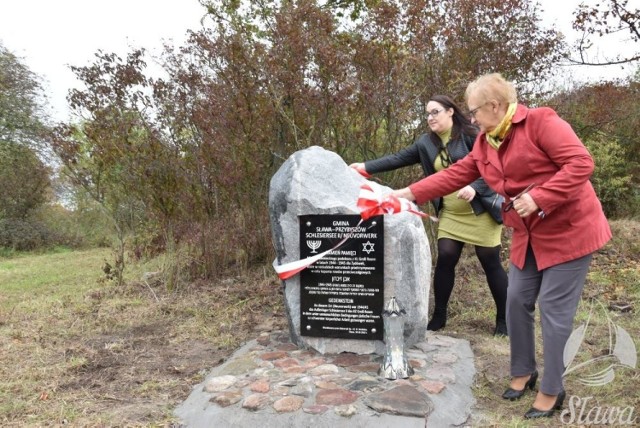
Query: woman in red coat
[[534, 159]]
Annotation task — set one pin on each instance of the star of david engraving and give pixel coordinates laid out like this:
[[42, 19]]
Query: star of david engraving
[[367, 247]]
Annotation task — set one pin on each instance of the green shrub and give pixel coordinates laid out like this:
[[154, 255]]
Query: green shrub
[[612, 177], [79, 228], [53, 226], [23, 235]]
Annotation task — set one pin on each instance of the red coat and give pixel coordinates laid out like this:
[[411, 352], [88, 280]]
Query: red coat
[[541, 148]]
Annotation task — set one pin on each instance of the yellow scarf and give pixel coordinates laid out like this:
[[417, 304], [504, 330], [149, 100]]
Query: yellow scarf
[[495, 137]]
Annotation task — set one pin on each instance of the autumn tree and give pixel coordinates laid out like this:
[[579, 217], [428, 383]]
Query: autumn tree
[[22, 102], [194, 151], [604, 107], [603, 20], [378, 70], [24, 177], [24, 180]]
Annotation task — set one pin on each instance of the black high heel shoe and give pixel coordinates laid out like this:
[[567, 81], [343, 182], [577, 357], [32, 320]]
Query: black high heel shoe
[[501, 329], [533, 413], [438, 320], [515, 394]]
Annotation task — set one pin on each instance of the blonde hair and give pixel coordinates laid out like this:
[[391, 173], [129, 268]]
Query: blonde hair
[[492, 86]]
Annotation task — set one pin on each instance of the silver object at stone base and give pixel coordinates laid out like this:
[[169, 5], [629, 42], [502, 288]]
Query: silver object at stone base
[[395, 364]]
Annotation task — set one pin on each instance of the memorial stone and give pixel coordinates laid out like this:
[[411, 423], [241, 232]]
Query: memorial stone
[[318, 183]]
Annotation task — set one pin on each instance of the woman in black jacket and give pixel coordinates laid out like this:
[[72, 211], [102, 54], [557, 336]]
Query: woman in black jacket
[[470, 215]]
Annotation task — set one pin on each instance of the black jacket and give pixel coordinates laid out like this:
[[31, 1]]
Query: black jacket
[[424, 151]]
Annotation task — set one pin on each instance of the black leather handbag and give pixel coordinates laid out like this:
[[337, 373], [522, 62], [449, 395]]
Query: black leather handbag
[[493, 204]]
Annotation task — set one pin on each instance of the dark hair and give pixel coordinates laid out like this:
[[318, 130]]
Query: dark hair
[[461, 123]]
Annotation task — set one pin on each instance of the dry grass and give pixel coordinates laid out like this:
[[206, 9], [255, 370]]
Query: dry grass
[[77, 350]]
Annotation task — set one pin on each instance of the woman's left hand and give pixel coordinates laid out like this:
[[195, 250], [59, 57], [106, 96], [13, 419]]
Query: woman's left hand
[[467, 193], [525, 205]]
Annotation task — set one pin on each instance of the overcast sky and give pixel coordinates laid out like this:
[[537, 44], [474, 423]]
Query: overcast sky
[[50, 35]]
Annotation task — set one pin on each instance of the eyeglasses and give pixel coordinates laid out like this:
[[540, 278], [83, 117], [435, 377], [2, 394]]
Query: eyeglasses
[[435, 112], [472, 113]]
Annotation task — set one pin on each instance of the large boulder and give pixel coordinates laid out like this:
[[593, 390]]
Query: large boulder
[[318, 181]]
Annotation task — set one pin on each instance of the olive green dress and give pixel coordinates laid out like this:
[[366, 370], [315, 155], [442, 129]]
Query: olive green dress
[[457, 220]]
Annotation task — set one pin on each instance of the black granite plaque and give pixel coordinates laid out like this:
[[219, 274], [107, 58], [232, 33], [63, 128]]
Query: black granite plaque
[[341, 294]]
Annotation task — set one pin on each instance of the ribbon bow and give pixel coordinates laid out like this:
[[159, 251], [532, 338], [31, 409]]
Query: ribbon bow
[[370, 203]]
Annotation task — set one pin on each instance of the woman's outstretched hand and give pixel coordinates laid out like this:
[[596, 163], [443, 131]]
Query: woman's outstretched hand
[[404, 193], [359, 166]]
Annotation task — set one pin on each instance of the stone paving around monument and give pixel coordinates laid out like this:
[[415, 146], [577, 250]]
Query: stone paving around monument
[[270, 382]]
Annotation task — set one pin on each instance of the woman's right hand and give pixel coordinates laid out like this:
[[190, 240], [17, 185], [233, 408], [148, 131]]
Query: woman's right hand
[[359, 166], [404, 193]]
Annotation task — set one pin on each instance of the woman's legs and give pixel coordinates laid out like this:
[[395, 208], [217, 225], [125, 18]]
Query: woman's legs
[[559, 297], [497, 279], [524, 286], [558, 291], [443, 279]]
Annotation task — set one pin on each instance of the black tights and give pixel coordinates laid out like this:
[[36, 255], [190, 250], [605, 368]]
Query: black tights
[[449, 252]]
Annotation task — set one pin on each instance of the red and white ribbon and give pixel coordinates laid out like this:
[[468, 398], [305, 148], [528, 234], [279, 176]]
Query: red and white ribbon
[[288, 270], [370, 203]]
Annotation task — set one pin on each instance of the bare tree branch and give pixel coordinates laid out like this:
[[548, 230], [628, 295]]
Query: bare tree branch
[[603, 20]]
